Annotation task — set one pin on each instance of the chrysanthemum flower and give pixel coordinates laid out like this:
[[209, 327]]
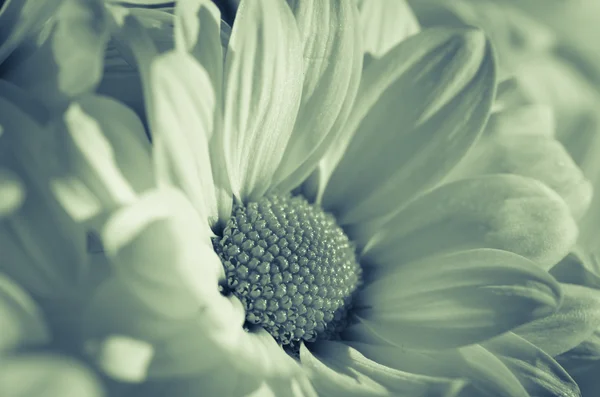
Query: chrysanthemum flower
[[53, 49], [374, 278]]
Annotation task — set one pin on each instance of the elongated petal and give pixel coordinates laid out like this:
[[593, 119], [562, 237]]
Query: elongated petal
[[20, 18], [183, 105], [337, 369], [12, 192], [385, 23], [410, 131], [539, 373], [485, 373], [166, 286], [263, 83], [327, 30], [39, 375], [197, 30], [541, 158], [457, 299], [44, 249], [72, 56], [576, 320], [22, 322], [507, 212]]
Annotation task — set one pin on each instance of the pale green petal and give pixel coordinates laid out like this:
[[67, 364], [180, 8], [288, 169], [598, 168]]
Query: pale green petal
[[538, 157], [45, 375], [337, 369], [455, 300], [70, 61], [182, 108], [22, 321], [124, 358], [506, 212], [411, 131], [539, 373], [12, 192], [331, 77], [263, 83], [22, 18], [385, 23], [576, 320], [485, 373], [166, 286]]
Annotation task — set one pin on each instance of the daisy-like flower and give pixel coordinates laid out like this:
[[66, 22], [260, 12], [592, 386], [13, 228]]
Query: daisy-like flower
[[54, 49], [374, 277], [238, 269]]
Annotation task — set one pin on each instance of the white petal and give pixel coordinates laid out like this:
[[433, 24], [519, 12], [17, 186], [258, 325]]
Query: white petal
[[263, 83], [385, 23], [331, 73], [183, 105]]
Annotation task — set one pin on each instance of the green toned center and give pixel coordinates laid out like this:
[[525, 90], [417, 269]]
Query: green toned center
[[292, 267]]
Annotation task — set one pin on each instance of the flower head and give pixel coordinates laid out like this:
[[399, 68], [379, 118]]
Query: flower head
[[242, 245], [298, 225]]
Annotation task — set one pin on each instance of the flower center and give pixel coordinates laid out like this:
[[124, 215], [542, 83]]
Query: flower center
[[291, 266]]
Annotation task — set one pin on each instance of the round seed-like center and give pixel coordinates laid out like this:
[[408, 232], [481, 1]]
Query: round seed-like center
[[292, 267]]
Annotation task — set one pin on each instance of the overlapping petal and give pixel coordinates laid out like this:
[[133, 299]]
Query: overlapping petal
[[183, 105], [72, 54], [337, 369], [263, 83], [419, 109], [332, 59], [577, 318], [506, 212], [455, 299]]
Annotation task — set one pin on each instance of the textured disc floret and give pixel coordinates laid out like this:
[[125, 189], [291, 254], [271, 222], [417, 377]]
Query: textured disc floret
[[291, 266]]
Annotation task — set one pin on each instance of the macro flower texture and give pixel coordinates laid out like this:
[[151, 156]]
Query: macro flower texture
[[305, 203]]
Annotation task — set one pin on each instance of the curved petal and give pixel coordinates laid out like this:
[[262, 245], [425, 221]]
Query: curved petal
[[12, 192], [576, 320], [327, 30], [22, 322], [183, 105], [47, 375], [537, 157], [413, 122], [485, 373], [263, 83], [19, 18], [535, 369], [72, 55], [506, 212], [165, 286], [456, 299], [385, 23], [337, 369]]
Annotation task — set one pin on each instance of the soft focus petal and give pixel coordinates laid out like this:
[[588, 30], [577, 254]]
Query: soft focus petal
[[456, 299], [535, 369], [47, 376], [263, 83], [411, 131], [385, 23], [22, 18], [576, 320], [538, 157], [506, 212], [183, 104], [327, 30], [11, 190], [70, 61], [337, 369], [22, 322]]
